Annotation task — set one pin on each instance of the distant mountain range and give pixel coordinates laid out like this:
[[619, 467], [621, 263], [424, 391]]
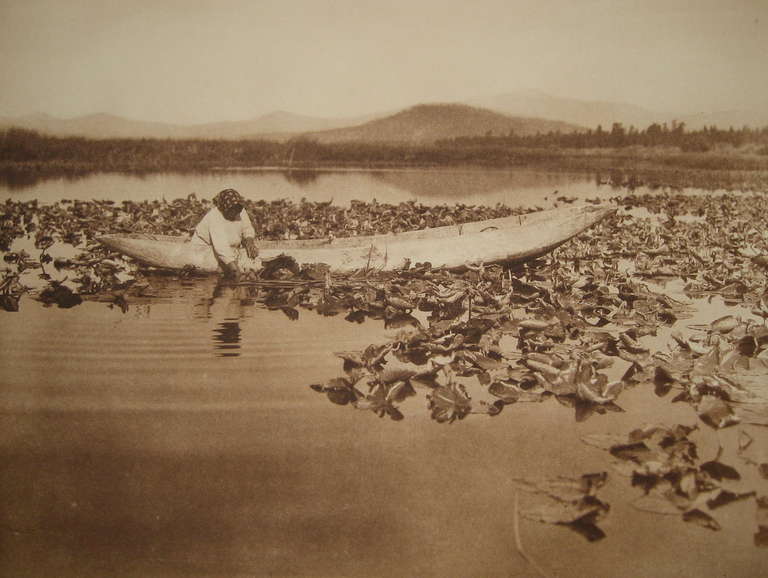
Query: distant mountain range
[[525, 112], [279, 125], [418, 124], [425, 123], [591, 113], [580, 112]]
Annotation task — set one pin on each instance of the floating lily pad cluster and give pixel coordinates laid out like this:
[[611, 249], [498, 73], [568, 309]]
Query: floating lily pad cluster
[[665, 464], [61, 236], [567, 501], [722, 372], [283, 219], [75, 221], [510, 334], [714, 243], [556, 328]]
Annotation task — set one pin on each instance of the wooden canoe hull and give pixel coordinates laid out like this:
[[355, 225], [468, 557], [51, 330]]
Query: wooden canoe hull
[[508, 239]]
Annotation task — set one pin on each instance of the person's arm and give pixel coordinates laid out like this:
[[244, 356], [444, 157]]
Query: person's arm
[[231, 270], [249, 235]]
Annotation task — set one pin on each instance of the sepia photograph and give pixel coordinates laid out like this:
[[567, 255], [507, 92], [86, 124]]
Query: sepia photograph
[[355, 288]]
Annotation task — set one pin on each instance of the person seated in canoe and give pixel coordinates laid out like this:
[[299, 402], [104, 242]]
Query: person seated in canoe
[[228, 231]]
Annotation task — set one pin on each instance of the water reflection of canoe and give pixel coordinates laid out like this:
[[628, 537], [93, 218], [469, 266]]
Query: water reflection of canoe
[[508, 239]]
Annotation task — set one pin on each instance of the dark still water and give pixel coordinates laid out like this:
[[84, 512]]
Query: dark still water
[[180, 437]]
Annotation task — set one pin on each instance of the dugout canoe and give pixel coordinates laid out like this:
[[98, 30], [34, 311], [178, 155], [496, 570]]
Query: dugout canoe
[[508, 239]]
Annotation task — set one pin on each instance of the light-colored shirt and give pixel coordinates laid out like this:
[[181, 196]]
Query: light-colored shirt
[[222, 235]]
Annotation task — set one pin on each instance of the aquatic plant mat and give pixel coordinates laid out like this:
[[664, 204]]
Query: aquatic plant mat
[[609, 311]]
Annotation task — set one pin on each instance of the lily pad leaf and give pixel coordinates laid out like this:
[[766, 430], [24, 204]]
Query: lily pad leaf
[[724, 324], [720, 471], [603, 441], [656, 504], [637, 452], [716, 413], [449, 403], [761, 535], [507, 393], [584, 410], [290, 312], [587, 528], [353, 358], [340, 396], [511, 392], [580, 516], [9, 302], [61, 295], [702, 519], [396, 370], [562, 488], [725, 497]]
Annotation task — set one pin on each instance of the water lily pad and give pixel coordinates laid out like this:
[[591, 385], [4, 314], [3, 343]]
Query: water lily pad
[[656, 504], [9, 302], [701, 519], [761, 535], [716, 413], [720, 471], [565, 501], [724, 324], [61, 295], [725, 497], [449, 403]]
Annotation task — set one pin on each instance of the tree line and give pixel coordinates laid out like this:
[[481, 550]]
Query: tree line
[[656, 135], [26, 148]]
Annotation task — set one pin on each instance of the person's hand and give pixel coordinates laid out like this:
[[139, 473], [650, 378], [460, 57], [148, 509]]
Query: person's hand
[[250, 247], [232, 271]]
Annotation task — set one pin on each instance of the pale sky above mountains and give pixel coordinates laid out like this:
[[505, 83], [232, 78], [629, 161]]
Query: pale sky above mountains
[[201, 61]]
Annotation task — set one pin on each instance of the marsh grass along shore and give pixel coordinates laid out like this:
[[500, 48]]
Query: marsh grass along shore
[[707, 159]]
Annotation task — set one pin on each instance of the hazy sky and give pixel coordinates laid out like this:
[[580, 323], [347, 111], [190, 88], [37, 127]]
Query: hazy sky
[[200, 60]]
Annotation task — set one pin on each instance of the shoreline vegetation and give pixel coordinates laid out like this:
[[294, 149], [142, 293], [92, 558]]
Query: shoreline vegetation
[[655, 157]]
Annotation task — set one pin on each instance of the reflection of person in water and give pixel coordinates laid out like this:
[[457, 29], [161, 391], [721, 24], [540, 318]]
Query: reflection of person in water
[[227, 307], [228, 231], [226, 338]]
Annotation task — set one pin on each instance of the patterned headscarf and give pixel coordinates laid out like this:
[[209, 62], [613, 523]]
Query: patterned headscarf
[[228, 199]]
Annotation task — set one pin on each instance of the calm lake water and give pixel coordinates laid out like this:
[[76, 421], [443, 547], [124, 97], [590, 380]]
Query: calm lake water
[[180, 438], [472, 186]]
